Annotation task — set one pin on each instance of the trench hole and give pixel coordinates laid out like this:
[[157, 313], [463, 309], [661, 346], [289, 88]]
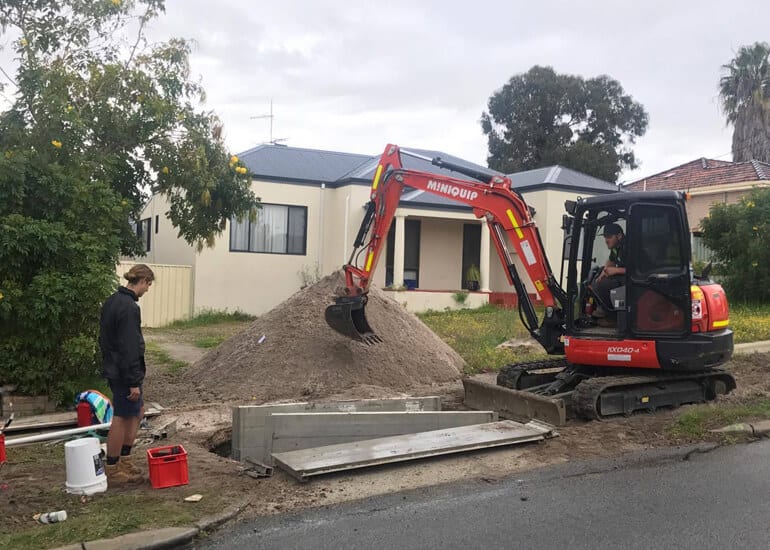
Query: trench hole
[[221, 443]]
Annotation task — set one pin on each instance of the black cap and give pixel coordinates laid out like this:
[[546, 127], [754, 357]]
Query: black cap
[[612, 229]]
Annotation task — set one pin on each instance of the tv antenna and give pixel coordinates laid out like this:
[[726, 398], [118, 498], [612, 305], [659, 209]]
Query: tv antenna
[[271, 117]]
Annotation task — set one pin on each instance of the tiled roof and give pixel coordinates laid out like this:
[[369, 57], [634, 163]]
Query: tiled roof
[[702, 173]]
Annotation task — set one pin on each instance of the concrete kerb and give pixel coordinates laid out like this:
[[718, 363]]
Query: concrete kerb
[[168, 537], [752, 347]]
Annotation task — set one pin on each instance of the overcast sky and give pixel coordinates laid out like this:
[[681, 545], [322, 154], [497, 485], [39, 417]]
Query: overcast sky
[[353, 76]]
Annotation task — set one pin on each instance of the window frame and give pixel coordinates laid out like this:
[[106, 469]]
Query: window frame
[[248, 250], [145, 237]]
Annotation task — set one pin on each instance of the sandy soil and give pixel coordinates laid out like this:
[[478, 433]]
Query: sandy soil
[[302, 359]]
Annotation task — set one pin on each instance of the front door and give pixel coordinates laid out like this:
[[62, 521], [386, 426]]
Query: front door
[[659, 276]]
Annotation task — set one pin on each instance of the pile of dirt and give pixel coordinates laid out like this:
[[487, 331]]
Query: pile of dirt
[[291, 353]]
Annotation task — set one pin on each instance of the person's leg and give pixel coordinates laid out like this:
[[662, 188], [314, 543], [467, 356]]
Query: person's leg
[[133, 427], [125, 416]]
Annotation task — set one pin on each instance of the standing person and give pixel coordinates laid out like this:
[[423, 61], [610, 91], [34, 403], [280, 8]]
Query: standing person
[[613, 274], [122, 346]]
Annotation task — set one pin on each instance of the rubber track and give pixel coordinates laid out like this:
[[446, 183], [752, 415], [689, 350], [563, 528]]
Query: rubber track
[[510, 373], [586, 394]]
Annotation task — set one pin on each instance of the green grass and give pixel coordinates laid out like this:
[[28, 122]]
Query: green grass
[[209, 341], [476, 333], [161, 357], [207, 317], [696, 421], [750, 322], [103, 517]]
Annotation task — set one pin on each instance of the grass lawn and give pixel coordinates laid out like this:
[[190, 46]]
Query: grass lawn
[[750, 322]]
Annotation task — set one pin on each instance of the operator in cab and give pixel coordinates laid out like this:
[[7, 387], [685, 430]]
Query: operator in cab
[[612, 275]]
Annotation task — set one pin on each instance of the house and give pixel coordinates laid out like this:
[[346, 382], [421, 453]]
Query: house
[[313, 203], [708, 181]]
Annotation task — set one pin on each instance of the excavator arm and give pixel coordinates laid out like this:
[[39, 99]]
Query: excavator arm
[[492, 198]]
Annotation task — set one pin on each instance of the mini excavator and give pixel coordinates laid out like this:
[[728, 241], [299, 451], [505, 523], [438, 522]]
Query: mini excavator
[[671, 331]]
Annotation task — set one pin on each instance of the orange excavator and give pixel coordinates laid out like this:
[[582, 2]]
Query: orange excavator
[[668, 333]]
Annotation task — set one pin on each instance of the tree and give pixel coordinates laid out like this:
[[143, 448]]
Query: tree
[[540, 118], [739, 236], [95, 124], [744, 91]]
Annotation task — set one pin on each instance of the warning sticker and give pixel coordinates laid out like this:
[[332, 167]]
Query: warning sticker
[[528, 254]]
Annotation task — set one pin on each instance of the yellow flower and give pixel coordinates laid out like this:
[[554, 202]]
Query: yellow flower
[[241, 170], [165, 170], [755, 228], [1, 295], [69, 108], [56, 143], [233, 159], [754, 264], [115, 2], [23, 42]]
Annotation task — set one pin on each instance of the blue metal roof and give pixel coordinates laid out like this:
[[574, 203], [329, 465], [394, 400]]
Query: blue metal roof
[[301, 165], [313, 167], [555, 177]]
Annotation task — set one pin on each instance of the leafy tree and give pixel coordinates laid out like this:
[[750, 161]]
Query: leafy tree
[[744, 91], [97, 121], [739, 236], [540, 118]]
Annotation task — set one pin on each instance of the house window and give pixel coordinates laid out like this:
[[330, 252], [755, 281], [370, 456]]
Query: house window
[[277, 229], [143, 231]]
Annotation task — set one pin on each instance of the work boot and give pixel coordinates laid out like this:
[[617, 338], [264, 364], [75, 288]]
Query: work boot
[[128, 464], [119, 474]]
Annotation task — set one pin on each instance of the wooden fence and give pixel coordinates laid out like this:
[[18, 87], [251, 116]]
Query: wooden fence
[[171, 296]]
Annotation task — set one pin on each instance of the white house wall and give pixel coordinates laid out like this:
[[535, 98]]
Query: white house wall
[[441, 253], [257, 282], [165, 245]]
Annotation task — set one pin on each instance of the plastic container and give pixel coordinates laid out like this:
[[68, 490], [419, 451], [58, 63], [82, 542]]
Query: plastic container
[[2, 448], [85, 469], [84, 414], [52, 517], [168, 466]]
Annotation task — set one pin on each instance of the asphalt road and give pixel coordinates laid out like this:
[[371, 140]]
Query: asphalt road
[[655, 500]]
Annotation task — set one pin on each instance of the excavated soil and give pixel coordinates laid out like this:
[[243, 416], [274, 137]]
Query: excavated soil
[[301, 358]]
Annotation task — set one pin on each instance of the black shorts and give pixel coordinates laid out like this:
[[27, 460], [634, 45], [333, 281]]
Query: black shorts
[[121, 406]]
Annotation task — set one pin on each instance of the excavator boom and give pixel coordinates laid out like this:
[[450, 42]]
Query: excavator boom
[[492, 198]]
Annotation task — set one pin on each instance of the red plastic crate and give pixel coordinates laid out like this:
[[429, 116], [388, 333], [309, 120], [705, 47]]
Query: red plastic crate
[[2, 448], [168, 466]]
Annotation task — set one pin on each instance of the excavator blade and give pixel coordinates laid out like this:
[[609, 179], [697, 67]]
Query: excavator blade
[[514, 404], [347, 316]]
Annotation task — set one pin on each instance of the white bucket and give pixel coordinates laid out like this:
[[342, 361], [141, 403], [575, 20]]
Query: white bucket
[[85, 468]]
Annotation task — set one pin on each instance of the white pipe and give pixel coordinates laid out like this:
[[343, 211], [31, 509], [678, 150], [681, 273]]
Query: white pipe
[[54, 435]]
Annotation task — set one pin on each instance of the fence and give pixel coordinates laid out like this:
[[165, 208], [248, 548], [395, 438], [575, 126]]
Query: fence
[[171, 296]]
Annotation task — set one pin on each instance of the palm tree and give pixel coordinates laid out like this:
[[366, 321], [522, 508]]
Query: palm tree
[[744, 91]]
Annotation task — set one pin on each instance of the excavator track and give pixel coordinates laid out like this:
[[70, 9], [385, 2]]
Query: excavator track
[[520, 376], [603, 396]]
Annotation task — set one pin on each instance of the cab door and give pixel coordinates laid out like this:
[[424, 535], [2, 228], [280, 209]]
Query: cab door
[[659, 271]]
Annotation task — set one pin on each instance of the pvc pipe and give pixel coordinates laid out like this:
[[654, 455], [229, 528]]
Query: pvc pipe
[[54, 435]]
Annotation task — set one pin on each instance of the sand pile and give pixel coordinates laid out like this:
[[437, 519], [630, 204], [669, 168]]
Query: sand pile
[[301, 357]]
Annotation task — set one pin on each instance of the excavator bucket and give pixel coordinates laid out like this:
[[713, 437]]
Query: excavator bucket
[[347, 316]]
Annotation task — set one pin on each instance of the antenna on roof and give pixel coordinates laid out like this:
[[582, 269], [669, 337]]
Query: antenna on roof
[[271, 117]]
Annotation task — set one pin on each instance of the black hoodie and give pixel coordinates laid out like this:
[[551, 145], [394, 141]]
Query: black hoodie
[[121, 340]]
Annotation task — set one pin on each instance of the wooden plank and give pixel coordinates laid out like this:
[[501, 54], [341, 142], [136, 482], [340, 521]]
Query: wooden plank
[[55, 420], [514, 404], [306, 463]]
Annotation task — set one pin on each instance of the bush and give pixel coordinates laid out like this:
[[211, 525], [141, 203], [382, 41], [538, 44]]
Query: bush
[[739, 236]]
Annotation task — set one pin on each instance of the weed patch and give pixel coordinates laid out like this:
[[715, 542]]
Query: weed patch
[[161, 358], [207, 317], [750, 322], [209, 341], [699, 419]]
